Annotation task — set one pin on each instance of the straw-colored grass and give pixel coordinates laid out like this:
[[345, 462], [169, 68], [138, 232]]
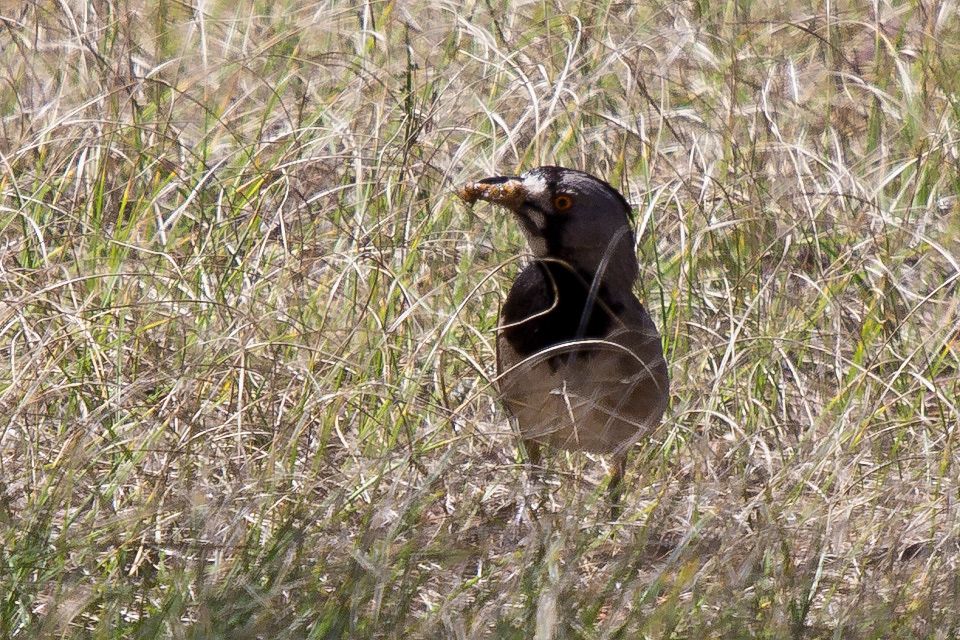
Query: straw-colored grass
[[247, 332]]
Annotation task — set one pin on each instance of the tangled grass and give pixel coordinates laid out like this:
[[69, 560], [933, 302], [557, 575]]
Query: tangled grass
[[248, 332]]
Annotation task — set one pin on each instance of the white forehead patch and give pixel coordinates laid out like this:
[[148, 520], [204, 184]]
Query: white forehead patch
[[535, 185]]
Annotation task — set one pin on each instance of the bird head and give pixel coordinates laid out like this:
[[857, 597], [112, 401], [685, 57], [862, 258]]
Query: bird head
[[568, 216]]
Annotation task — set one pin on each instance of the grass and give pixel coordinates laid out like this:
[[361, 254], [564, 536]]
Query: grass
[[248, 331]]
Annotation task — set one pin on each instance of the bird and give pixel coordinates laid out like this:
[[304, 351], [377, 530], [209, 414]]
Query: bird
[[580, 364]]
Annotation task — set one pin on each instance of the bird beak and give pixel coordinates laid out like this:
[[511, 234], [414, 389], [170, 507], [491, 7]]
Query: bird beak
[[507, 191]]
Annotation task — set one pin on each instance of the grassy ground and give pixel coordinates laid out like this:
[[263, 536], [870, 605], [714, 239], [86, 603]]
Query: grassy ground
[[247, 332]]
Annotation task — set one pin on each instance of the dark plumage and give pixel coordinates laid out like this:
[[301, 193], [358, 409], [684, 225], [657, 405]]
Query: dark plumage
[[579, 360], [546, 305]]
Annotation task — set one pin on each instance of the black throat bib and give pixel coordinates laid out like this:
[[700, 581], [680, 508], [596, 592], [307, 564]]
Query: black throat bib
[[550, 304]]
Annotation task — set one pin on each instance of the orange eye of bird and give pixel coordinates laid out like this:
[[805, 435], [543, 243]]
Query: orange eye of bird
[[562, 202]]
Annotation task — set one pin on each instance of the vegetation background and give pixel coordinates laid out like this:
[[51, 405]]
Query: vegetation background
[[247, 332]]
